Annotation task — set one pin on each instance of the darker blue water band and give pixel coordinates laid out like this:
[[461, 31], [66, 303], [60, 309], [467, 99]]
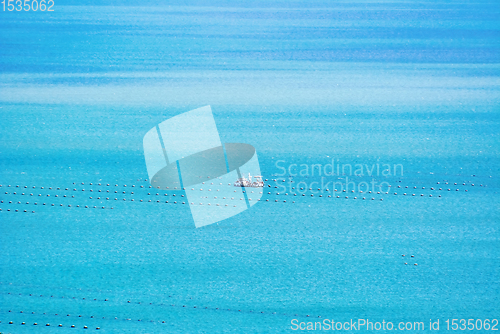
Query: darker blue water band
[[162, 144], [225, 157], [180, 176], [244, 189]]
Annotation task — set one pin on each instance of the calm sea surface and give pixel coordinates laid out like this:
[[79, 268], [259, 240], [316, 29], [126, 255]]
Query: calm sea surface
[[415, 84]]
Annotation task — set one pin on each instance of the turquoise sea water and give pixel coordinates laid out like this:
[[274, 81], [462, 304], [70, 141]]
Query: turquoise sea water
[[409, 83]]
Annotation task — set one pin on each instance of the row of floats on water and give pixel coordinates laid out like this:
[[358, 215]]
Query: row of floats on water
[[48, 325], [258, 185], [241, 182], [142, 303]]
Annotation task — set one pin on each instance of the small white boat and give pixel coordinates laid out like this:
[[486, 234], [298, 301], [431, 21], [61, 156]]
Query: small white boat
[[243, 182]]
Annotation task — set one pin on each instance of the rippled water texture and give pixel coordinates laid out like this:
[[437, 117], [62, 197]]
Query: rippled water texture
[[414, 84]]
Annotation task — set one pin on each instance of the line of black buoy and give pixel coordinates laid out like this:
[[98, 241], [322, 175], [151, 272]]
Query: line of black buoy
[[319, 189], [201, 189], [23, 323], [128, 301]]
